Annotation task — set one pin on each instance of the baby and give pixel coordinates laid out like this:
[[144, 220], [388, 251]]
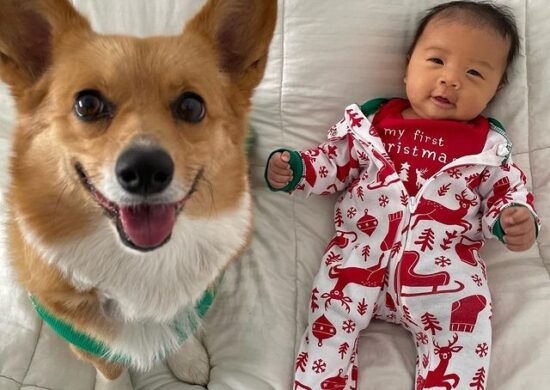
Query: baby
[[427, 179]]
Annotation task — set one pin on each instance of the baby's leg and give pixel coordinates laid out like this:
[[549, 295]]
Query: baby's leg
[[342, 304], [453, 340]]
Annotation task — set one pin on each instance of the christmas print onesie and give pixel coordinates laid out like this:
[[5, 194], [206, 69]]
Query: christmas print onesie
[[418, 200]]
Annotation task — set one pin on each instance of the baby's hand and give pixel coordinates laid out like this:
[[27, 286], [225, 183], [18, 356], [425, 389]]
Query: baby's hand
[[279, 173], [519, 228]]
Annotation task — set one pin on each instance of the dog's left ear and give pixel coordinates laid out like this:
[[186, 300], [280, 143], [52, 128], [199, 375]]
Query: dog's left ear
[[241, 31]]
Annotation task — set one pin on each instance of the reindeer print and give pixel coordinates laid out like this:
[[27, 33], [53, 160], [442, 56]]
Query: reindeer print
[[368, 277], [433, 211], [420, 179], [438, 376]]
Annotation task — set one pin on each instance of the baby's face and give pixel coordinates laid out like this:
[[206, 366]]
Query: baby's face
[[454, 70]]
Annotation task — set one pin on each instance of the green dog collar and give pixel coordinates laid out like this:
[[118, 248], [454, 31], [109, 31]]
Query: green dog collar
[[95, 347]]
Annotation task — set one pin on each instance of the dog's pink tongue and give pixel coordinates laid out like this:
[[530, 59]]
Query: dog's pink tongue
[[148, 226]]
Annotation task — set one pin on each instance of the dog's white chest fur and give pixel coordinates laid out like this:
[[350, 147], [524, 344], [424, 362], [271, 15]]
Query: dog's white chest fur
[[148, 291]]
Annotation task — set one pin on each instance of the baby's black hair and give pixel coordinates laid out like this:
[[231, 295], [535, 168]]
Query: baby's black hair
[[483, 13]]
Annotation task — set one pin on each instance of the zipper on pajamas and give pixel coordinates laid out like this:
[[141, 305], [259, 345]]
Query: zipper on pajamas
[[412, 204]]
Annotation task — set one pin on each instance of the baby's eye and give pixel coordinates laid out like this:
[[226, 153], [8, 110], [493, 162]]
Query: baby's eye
[[475, 73], [436, 60]]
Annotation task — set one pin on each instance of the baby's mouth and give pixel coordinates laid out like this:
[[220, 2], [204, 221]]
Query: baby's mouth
[[442, 101]]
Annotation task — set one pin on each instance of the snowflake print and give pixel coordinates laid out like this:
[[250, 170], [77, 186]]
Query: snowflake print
[[319, 366], [383, 201], [352, 211], [454, 173], [482, 350], [442, 261], [477, 280], [348, 326], [323, 172], [331, 151], [421, 338]]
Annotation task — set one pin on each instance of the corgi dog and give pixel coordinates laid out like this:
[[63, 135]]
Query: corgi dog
[[129, 191]]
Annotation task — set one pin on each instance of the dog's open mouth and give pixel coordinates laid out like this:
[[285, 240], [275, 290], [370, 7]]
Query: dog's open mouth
[[143, 227]]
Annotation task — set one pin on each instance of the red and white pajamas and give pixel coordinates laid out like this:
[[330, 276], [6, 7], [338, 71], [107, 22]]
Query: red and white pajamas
[[410, 260]]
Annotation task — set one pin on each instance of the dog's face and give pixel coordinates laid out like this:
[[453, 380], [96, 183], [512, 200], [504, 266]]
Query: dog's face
[[136, 131], [144, 133]]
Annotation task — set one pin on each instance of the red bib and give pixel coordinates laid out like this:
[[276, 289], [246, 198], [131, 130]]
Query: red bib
[[419, 148]]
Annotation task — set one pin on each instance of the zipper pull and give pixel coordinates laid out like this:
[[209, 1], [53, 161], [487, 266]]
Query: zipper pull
[[412, 204]]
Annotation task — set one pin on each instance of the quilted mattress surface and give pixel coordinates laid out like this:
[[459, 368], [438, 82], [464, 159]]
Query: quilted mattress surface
[[324, 56]]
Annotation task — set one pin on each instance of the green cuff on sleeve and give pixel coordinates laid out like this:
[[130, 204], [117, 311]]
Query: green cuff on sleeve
[[498, 231], [296, 165]]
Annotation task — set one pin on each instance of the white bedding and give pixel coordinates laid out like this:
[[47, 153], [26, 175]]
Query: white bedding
[[259, 315]]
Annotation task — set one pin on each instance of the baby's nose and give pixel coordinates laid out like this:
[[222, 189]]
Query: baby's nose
[[450, 79]]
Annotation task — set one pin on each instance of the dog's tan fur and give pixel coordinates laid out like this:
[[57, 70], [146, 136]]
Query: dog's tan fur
[[48, 52]]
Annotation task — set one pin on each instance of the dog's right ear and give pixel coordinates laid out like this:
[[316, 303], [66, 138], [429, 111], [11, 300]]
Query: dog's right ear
[[30, 31], [240, 31]]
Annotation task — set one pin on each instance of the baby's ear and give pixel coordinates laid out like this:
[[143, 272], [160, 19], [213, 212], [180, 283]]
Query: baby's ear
[[241, 31], [30, 30]]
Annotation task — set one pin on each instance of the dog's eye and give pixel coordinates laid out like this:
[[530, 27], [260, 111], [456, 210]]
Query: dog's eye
[[189, 107], [90, 105]]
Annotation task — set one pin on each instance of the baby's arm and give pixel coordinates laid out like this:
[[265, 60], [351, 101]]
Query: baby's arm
[[322, 170], [325, 169], [508, 208]]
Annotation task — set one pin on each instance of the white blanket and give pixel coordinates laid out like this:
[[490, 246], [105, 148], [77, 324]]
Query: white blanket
[[325, 55]]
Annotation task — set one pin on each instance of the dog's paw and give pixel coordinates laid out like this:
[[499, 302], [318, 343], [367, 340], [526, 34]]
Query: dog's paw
[[191, 363]]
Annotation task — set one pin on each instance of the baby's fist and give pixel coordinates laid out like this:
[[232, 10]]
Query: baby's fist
[[279, 173], [519, 228]]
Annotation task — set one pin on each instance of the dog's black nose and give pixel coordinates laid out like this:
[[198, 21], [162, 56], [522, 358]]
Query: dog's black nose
[[144, 171]]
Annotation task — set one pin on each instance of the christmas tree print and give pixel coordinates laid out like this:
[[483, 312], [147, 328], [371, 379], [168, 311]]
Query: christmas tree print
[[478, 381], [343, 350], [362, 307], [425, 360], [448, 240], [426, 240], [360, 193], [407, 315], [404, 172], [430, 323], [301, 362], [314, 299], [395, 249], [404, 198], [442, 191], [338, 219], [366, 252], [363, 156]]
